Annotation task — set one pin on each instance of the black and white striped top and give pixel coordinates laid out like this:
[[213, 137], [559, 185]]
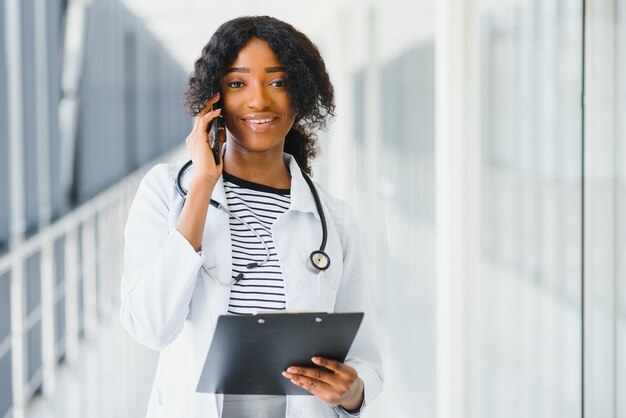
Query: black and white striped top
[[262, 287]]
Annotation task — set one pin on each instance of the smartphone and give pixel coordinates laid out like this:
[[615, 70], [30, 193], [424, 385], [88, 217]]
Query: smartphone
[[216, 125]]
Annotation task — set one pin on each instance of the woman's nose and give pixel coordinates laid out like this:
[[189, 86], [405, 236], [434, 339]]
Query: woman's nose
[[258, 98]]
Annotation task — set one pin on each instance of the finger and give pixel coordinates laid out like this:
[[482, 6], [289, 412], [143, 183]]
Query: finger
[[214, 99], [334, 365], [322, 375], [316, 387], [319, 374], [201, 113], [208, 106], [207, 119]]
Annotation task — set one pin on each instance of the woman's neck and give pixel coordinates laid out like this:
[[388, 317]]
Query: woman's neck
[[267, 168]]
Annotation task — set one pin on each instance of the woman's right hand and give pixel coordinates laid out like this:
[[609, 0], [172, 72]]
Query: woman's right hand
[[198, 144]]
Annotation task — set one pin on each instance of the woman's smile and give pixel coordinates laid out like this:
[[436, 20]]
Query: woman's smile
[[259, 123]]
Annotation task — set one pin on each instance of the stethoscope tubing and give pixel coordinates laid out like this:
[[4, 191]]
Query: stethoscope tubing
[[320, 211], [317, 262]]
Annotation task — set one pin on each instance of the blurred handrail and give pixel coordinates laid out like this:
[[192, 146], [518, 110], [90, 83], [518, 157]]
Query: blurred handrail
[[79, 215], [95, 230]]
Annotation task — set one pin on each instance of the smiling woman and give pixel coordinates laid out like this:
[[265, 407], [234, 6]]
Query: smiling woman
[[302, 70], [187, 264]]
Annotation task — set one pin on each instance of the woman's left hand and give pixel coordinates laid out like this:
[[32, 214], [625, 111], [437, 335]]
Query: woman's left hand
[[336, 383]]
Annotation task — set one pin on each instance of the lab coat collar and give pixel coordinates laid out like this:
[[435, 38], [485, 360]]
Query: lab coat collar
[[218, 194], [301, 196]]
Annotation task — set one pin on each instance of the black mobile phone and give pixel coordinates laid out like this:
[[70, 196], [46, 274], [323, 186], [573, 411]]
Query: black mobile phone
[[216, 125]]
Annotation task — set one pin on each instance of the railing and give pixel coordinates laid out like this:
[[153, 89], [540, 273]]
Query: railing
[[62, 281]]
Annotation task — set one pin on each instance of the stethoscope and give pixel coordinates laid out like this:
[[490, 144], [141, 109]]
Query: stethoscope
[[317, 262]]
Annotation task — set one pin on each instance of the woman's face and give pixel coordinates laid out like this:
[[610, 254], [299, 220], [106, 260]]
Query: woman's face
[[256, 106]]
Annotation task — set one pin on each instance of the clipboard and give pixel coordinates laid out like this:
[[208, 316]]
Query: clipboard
[[249, 353]]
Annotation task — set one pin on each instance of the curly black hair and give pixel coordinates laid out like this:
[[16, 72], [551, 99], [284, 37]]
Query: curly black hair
[[311, 94]]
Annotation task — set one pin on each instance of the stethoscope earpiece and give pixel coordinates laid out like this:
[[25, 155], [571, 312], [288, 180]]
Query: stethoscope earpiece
[[317, 262]]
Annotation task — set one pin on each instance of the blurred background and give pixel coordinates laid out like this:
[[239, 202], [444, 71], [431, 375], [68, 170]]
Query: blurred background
[[479, 142]]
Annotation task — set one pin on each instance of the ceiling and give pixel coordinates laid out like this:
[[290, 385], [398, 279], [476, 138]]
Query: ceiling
[[185, 26]]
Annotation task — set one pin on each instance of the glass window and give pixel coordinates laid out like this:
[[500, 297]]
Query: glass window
[[130, 99], [394, 179], [6, 374], [620, 277], [58, 199], [5, 306], [33, 349], [524, 350], [605, 210], [358, 97], [59, 260], [6, 387], [4, 145], [79, 267], [407, 243], [59, 327], [29, 65], [59, 295], [33, 315], [81, 307], [33, 283]]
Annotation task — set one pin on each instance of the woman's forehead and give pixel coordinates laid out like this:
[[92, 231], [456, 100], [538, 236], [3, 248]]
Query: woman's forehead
[[256, 54]]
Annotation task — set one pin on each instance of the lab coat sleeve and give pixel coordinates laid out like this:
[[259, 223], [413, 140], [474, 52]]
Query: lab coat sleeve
[[355, 295], [160, 266]]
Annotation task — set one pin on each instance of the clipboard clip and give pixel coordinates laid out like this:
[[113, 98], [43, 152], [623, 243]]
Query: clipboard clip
[[261, 321]]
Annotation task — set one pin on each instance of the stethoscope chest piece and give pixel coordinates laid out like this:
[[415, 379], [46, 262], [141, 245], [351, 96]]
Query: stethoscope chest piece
[[317, 262]]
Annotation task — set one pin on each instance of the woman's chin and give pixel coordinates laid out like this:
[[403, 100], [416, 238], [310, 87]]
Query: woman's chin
[[258, 144]]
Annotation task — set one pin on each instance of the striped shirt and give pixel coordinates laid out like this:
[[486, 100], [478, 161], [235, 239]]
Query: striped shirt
[[261, 288]]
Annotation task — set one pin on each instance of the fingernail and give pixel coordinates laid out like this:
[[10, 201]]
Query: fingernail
[[291, 370], [315, 359]]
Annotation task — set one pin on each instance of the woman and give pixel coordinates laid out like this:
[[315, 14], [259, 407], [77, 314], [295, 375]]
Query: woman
[[186, 262]]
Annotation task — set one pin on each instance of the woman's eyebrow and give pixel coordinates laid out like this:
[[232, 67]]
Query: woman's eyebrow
[[247, 70]]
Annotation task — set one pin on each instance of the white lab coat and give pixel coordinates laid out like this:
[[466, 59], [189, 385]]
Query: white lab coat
[[170, 304]]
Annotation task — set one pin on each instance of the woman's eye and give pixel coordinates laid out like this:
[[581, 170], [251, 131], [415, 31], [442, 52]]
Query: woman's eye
[[235, 84], [278, 83]]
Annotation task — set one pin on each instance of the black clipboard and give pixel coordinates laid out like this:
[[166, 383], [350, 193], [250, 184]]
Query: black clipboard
[[249, 353]]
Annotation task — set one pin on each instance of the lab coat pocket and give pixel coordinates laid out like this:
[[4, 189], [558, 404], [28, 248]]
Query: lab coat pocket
[[328, 284], [170, 401], [164, 396], [329, 281], [159, 411], [159, 396]]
